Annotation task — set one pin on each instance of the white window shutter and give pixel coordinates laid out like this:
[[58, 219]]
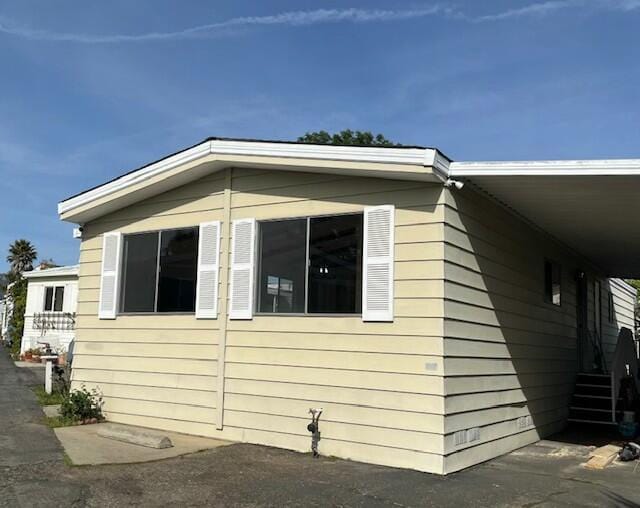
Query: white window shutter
[[110, 275], [377, 283], [242, 258], [208, 270]]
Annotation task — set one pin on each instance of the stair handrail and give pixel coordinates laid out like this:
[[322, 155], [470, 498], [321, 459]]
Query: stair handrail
[[625, 362]]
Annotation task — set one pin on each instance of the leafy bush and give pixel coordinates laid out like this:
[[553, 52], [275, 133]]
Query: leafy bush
[[81, 405]]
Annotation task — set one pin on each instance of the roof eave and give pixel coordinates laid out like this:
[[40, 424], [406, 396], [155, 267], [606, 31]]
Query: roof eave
[[424, 164]]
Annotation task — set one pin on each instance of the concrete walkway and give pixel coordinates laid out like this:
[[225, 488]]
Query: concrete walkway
[[85, 447]]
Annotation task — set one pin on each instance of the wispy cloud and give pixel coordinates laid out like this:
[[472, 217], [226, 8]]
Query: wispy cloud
[[537, 9], [317, 17], [294, 18]]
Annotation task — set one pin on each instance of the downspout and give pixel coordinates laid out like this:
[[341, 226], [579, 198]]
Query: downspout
[[224, 279]]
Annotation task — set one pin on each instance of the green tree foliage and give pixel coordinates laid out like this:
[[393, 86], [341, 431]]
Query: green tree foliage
[[21, 256], [18, 293], [346, 137]]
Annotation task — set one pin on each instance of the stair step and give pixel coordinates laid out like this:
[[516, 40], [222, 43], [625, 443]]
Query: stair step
[[589, 414], [594, 379], [576, 420], [600, 410], [589, 396]]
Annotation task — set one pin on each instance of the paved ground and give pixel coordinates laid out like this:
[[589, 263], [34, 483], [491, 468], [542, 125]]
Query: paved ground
[[33, 473]]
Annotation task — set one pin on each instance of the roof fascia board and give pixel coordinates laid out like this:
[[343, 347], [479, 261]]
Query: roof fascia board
[[409, 156], [191, 154], [615, 167], [52, 272], [414, 156]]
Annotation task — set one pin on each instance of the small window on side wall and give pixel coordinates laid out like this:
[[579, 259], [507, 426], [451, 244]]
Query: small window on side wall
[[53, 298], [552, 282]]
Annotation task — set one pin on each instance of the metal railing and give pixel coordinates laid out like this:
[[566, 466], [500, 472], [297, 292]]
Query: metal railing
[[62, 321]]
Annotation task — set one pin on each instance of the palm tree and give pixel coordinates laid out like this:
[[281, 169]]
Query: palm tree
[[21, 256]]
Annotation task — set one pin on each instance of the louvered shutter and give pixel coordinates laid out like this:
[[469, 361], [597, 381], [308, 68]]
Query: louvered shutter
[[377, 284], [243, 233], [110, 275], [208, 270]]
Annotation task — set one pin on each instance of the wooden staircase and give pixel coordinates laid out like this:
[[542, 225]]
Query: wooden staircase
[[591, 401]]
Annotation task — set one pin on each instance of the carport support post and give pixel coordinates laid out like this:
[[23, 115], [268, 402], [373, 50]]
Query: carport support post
[[48, 370], [224, 298]]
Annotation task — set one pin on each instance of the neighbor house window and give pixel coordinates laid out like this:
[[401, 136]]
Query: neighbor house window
[[552, 282], [311, 265], [159, 271], [53, 298]]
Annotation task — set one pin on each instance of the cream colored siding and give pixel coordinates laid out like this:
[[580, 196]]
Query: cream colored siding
[[381, 384], [158, 369], [508, 353]]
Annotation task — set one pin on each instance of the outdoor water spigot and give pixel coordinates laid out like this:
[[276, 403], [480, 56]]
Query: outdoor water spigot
[[314, 428]]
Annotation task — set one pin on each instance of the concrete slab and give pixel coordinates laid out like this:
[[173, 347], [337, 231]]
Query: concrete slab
[[85, 446]]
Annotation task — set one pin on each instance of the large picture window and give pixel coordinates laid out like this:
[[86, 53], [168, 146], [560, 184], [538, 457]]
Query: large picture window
[[311, 265], [159, 271]]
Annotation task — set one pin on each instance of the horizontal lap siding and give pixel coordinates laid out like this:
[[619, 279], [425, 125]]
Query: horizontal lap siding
[[508, 353], [381, 384], [150, 368]]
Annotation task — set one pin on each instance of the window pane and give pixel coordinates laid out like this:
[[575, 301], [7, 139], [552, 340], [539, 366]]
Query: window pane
[[283, 254], [139, 272], [57, 306], [178, 270], [48, 298], [335, 264]]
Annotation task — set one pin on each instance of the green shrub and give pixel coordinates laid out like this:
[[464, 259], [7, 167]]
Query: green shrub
[[82, 404]]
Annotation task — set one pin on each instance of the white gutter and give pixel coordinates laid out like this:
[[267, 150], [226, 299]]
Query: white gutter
[[612, 167]]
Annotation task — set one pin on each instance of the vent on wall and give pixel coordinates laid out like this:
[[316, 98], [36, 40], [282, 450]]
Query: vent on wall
[[466, 436], [524, 422]]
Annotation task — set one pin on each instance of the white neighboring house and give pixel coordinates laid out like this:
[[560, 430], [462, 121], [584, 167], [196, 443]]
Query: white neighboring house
[[50, 314]]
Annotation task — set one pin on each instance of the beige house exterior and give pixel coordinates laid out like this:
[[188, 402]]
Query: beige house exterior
[[451, 355]]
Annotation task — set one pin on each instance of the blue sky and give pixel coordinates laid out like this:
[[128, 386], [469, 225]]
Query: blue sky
[[89, 90]]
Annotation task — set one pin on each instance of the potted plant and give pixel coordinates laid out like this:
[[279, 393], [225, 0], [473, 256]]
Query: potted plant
[[28, 355], [36, 354]]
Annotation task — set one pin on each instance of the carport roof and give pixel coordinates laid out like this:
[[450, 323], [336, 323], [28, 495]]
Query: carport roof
[[592, 206]]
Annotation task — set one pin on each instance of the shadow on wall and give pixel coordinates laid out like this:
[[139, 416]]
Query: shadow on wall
[[519, 350]]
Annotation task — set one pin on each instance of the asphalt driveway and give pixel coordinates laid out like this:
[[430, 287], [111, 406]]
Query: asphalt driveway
[[33, 473]]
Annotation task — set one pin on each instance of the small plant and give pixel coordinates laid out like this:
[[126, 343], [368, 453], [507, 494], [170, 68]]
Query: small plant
[[82, 405]]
